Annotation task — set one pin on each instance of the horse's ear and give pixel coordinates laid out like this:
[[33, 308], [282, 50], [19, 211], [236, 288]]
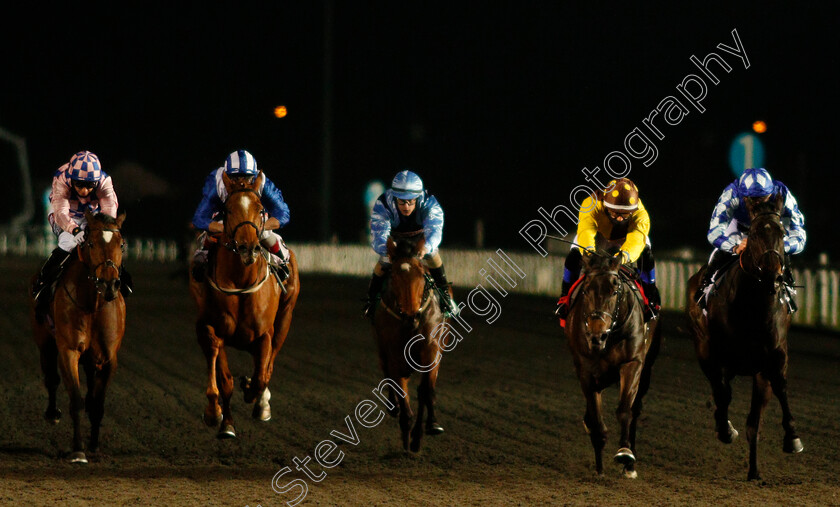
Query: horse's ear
[[392, 247], [258, 181], [615, 262], [227, 181], [780, 202], [587, 258], [120, 219], [88, 217], [421, 244]]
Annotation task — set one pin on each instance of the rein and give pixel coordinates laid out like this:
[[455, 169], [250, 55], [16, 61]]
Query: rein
[[232, 245], [769, 251], [399, 315], [98, 283], [247, 290], [600, 314]]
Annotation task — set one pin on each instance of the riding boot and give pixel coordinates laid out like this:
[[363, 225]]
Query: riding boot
[[789, 287], [42, 288], [718, 260], [654, 301], [126, 282], [562, 310], [447, 304], [199, 270], [374, 289]]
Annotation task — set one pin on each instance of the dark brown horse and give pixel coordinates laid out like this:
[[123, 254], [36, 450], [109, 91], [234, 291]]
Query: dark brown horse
[[409, 328], [85, 325], [242, 305], [610, 343], [745, 330]]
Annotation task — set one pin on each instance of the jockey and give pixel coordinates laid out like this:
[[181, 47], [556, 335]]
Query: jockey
[[731, 222], [407, 207], [617, 220], [78, 186], [239, 165]]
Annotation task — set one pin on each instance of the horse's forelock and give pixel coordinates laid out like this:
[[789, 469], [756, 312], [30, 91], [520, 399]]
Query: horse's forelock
[[405, 249]]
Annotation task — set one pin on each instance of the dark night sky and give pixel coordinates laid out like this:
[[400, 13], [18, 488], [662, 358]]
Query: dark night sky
[[497, 108]]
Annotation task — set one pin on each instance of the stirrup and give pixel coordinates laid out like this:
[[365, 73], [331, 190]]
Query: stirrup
[[199, 271], [369, 308]]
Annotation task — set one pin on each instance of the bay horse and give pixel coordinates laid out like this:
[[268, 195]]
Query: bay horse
[[610, 343], [408, 327], [744, 331], [85, 325], [241, 305]]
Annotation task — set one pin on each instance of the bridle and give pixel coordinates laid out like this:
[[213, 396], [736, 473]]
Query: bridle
[[108, 263], [232, 244], [424, 304], [770, 251], [601, 314]]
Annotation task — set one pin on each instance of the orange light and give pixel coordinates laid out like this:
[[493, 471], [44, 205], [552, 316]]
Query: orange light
[[759, 127], [280, 111]]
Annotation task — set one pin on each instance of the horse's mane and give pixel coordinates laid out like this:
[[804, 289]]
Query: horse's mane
[[600, 262], [104, 218], [764, 207], [405, 249]]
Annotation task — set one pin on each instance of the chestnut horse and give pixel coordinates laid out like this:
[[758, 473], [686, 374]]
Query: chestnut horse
[[408, 326], [241, 305], [85, 325], [744, 331], [610, 343]]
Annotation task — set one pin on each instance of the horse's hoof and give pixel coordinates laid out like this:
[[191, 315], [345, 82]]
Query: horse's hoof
[[261, 414], [415, 445], [226, 431], [630, 474], [793, 446], [244, 382], [78, 457], [729, 436], [625, 456], [53, 417], [212, 421], [434, 429]]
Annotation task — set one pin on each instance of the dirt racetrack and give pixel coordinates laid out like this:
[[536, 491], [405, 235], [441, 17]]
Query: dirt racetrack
[[507, 398]]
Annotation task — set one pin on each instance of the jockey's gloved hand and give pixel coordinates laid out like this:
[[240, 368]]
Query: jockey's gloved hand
[[78, 235]]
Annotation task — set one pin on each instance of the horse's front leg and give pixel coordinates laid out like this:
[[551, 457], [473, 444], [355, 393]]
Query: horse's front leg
[[760, 397], [629, 374], [210, 345], [225, 380], [257, 388], [69, 365], [49, 366], [792, 443], [593, 423], [405, 411], [96, 401], [722, 394]]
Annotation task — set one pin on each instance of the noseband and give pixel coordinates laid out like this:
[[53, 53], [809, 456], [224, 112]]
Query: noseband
[[770, 251], [602, 315], [424, 304], [99, 283], [233, 245]]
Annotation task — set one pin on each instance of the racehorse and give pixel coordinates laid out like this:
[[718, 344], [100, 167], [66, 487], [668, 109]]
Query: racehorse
[[744, 331], [408, 327], [85, 325], [242, 305], [610, 343]]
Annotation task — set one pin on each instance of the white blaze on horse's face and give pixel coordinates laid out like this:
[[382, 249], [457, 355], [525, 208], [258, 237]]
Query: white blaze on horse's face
[[246, 203], [107, 236], [405, 266]]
